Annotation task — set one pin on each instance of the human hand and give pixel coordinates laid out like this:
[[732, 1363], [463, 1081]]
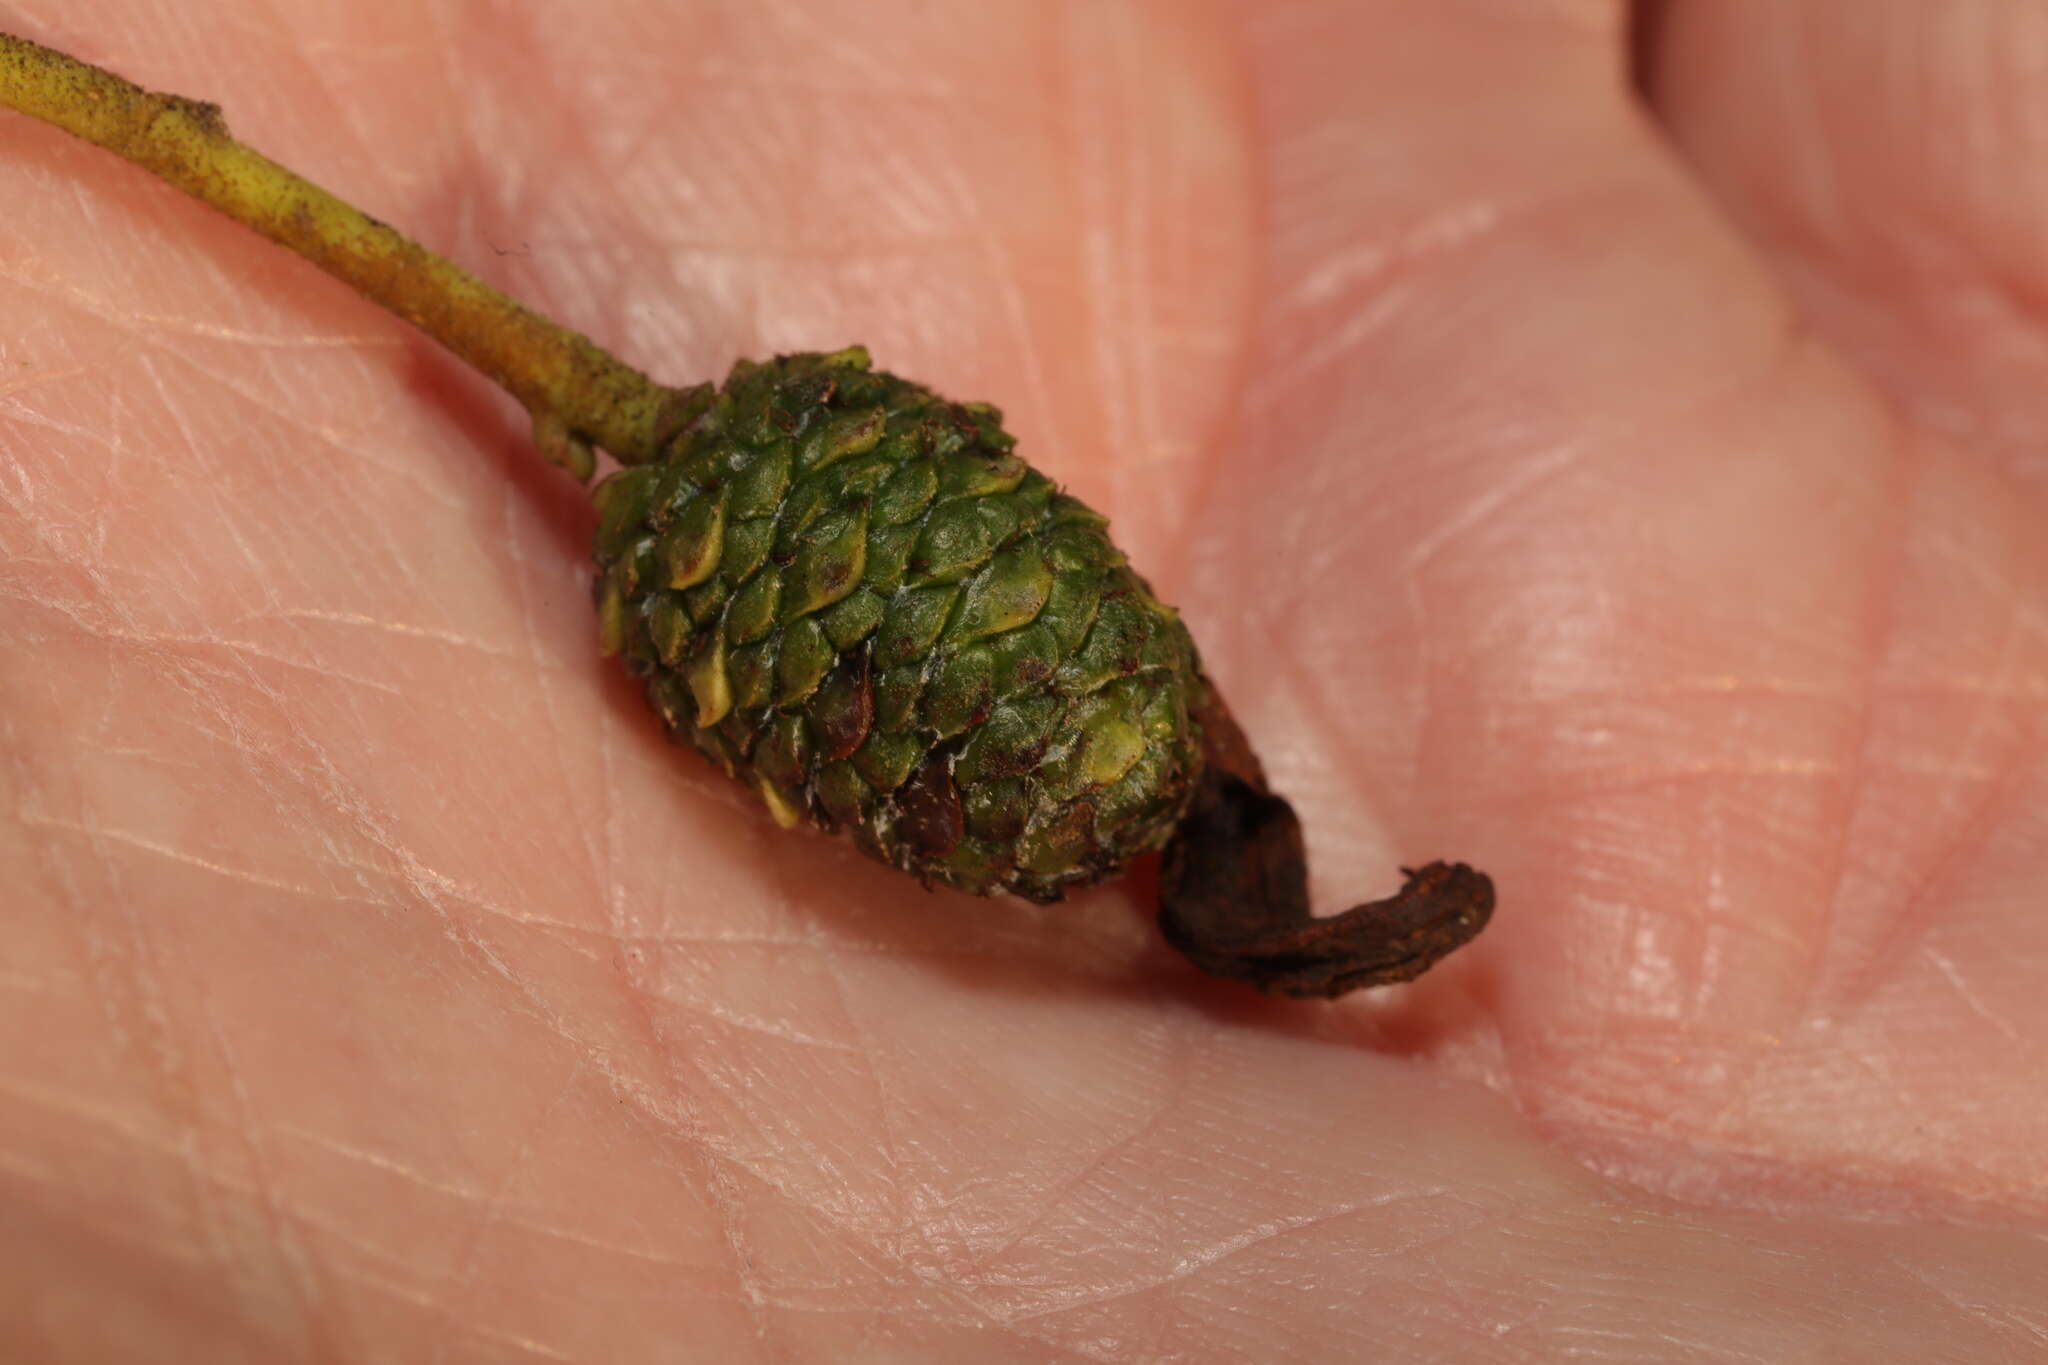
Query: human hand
[[1656, 529]]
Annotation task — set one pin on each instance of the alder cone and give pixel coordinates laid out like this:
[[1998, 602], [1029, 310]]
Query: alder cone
[[854, 596]]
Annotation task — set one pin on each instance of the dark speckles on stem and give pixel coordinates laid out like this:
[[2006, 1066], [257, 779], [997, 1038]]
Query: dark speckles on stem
[[204, 113]]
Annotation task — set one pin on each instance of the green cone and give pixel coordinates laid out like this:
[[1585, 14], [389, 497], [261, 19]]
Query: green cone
[[850, 593]]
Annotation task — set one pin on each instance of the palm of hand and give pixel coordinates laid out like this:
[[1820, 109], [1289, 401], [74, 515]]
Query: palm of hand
[[379, 985]]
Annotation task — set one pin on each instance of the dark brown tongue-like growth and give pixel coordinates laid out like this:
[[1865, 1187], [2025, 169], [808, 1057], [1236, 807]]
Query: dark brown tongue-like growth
[[854, 596]]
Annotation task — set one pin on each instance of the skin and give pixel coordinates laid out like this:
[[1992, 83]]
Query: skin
[[1642, 504]]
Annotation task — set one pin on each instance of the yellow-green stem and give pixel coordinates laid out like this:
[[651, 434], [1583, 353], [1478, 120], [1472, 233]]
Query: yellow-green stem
[[577, 393]]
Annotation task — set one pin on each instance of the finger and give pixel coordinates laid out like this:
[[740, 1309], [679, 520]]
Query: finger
[[1888, 159]]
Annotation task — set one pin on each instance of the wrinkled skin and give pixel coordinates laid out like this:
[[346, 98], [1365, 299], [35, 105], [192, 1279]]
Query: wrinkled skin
[[1652, 519]]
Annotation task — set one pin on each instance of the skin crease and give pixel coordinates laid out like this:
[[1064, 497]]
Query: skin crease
[[1643, 505]]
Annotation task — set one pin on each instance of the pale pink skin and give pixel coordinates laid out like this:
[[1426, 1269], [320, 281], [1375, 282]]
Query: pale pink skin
[[1654, 518]]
